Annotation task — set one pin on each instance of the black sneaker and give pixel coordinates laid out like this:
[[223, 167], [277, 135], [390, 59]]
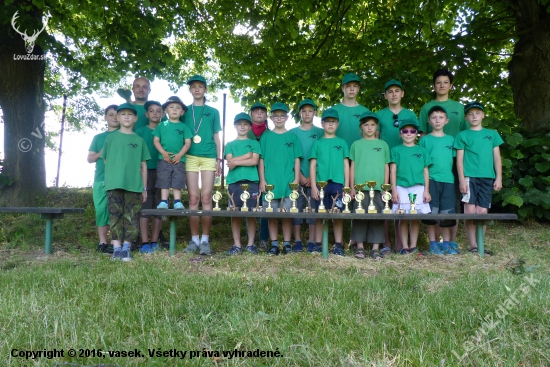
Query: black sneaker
[[273, 251], [338, 250], [235, 250], [101, 247], [252, 249], [298, 247], [287, 248], [117, 255], [125, 255]]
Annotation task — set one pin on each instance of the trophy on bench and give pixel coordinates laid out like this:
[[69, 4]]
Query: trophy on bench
[[269, 197]]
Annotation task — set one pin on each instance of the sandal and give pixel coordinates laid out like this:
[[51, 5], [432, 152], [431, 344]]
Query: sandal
[[360, 254], [385, 251], [473, 250], [375, 255]]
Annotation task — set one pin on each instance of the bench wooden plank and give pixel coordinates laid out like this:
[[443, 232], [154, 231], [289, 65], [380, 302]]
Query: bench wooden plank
[[41, 210]]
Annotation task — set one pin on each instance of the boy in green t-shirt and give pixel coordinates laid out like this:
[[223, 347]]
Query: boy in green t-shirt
[[370, 158], [307, 134], [479, 166], [153, 111], [99, 193], [204, 159], [442, 188], [410, 179], [329, 161], [172, 140], [125, 154], [279, 166], [242, 155]]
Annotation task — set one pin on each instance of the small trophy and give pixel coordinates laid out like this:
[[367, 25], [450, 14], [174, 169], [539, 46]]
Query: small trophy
[[294, 195], [322, 208], [268, 197], [244, 197], [359, 196], [386, 197], [412, 200], [346, 199], [371, 208], [217, 195], [307, 209]]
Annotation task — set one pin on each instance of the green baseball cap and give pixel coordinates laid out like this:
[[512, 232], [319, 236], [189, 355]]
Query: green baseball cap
[[279, 106], [258, 105], [350, 77], [149, 103], [196, 78], [367, 116], [307, 102], [243, 116], [408, 122], [126, 106], [392, 82], [473, 104], [331, 112], [437, 108]]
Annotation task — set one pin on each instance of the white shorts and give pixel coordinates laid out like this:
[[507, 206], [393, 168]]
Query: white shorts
[[423, 208]]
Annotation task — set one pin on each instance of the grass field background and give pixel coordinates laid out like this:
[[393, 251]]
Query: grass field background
[[403, 311]]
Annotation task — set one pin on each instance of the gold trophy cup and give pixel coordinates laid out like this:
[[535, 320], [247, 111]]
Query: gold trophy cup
[[244, 197], [322, 208], [268, 197], [412, 200], [371, 208], [217, 195], [386, 197], [346, 199], [294, 196], [359, 196]]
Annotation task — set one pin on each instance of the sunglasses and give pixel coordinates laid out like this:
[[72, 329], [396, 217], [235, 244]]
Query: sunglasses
[[395, 120], [409, 131]]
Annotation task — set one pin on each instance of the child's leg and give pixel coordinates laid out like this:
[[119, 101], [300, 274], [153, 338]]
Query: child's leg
[[404, 234], [115, 205], [144, 227], [193, 189], [482, 210], [273, 229], [251, 230], [431, 229], [102, 233], [287, 229], [318, 231], [415, 229], [312, 232], [177, 193], [207, 181], [338, 228], [164, 194], [132, 209], [446, 233], [297, 234], [469, 224], [236, 230], [387, 242], [398, 240]]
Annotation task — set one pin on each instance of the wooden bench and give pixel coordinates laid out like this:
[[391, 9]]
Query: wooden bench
[[479, 220], [45, 213]]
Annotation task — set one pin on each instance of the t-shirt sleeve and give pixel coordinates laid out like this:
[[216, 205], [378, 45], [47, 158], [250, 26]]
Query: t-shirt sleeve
[[145, 156], [157, 132], [313, 151], [459, 143], [497, 139], [103, 154], [262, 145], [423, 120], [297, 147], [228, 149], [216, 127], [427, 159], [386, 153], [187, 133], [352, 151], [393, 156], [256, 147], [346, 150], [93, 146]]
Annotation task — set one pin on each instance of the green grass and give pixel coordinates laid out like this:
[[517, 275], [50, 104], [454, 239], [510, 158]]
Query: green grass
[[403, 311]]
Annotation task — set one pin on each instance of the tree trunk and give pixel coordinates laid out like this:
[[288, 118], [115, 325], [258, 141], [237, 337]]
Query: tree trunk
[[21, 100], [529, 67]]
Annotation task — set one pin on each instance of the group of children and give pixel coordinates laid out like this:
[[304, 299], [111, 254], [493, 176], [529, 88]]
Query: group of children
[[354, 145]]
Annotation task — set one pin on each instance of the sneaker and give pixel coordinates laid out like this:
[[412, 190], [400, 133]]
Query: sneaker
[[204, 248], [449, 250], [404, 251], [251, 249], [116, 255], [310, 246], [192, 247], [297, 247], [108, 249], [235, 250], [162, 205], [125, 255], [145, 249], [155, 247], [274, 251], [436, 249], [454, 246], [413, 250], [101, 248], [179, 206], [338, 250], [287, 248], [317, 249], [262, 246]]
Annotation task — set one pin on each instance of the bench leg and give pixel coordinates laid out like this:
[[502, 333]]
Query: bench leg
[[325, 238], [172, 236], [48, 240], [480, 239]]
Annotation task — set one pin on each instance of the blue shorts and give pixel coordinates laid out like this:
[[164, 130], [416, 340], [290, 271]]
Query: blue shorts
[[331, 190]]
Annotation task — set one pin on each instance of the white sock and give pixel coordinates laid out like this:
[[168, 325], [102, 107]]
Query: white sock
[[195, 239], [204, 238]]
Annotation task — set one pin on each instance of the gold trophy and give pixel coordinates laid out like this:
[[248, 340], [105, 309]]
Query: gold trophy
[[294, 196], [244, 197], [386, 197], [268, 197], [359, 196], [412, 200], [322, 208], [371, 208], [217, 195], [346, 199]]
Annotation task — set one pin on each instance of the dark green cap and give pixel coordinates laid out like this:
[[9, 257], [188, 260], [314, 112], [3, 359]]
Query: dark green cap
[[174, 99], [307, 102], [258, 105], [350, 77], [437, 108], [126, 106], [367, 116], [392, 82], [149, 103], [196, 78], [473, 104], [408, 122], [243, 116], [279, 106], [331, 112]]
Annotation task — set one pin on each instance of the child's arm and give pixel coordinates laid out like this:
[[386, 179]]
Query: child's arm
[[427, 196], [313, 178], [497, 185], [262, 175], [93, 156], [144, 179], [460, 169], [386, 173], [165, 154], [352, 179], [346, 172], [296, 170], [304, 181], [249, 159], [219, 149], [394, 194], [181, 153]]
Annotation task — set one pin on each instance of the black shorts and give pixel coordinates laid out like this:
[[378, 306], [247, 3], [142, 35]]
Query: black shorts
[[443, 202], [331, 190], [480, 191], [236, 190], [171, 176]]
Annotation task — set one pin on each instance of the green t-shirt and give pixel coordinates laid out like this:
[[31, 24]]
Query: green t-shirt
[[455, 111], [142, 119], [388, 132], [96, 146], [209, 126], [238, 148], [172, 136], [410, 162], [348, 128], [330, 154], [307, 138], [371, 158], [440, 149], [123, 154], [147, 134], [279, 152], [478, 148]]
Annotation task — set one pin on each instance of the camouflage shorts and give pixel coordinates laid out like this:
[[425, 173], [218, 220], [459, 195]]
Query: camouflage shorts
[[124, 211]]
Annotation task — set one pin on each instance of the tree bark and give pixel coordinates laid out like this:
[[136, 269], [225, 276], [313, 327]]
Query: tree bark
[[21, 100], [529, 67]]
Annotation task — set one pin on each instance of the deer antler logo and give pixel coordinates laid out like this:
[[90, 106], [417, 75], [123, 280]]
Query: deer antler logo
[[29, 40]]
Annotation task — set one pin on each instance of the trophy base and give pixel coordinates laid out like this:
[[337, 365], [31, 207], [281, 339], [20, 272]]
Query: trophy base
[[321, 210], [244, 209], [294, 210], [269, 210], [387, 211], [346, 212], [373, 211], [413, 211], [217, 209], [359, 211]]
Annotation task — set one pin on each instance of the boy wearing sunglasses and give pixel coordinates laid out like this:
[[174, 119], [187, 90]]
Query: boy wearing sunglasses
[[410, 178]]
